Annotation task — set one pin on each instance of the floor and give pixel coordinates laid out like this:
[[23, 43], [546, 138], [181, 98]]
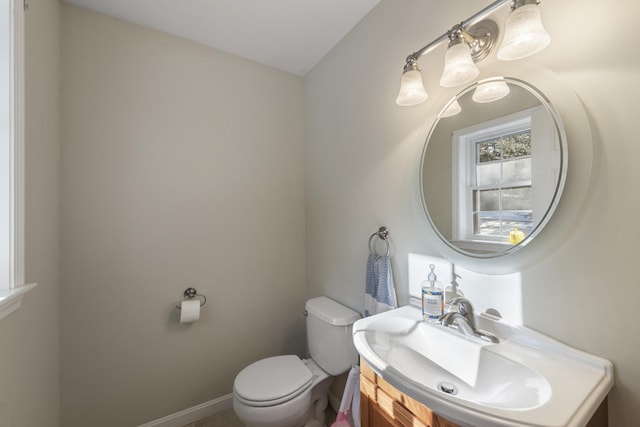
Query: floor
[[227, 418]]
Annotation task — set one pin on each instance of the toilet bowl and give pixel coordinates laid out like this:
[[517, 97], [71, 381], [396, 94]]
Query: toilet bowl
[[282, 391], [286, 391]]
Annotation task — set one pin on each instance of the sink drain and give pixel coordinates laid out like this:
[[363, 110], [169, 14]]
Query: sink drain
[[447, 388]]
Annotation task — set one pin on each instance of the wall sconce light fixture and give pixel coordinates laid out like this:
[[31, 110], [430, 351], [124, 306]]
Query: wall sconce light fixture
[[524, 34], [411, 88], [466, 47], [473, 40]]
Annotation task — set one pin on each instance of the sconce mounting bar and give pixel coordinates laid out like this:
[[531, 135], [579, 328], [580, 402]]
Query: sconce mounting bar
[[445, 37]]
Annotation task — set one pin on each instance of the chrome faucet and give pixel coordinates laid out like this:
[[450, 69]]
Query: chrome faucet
[[453, 317], [465, 320], [466, 309]]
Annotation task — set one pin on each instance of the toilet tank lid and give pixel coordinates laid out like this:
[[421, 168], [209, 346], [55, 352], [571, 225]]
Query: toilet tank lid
[[331, 312]]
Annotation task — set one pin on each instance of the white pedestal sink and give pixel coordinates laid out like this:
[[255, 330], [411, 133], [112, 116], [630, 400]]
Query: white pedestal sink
[[527, 379]]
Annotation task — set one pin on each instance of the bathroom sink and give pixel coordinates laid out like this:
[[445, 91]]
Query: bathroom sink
[[527, 379], [442, 359]]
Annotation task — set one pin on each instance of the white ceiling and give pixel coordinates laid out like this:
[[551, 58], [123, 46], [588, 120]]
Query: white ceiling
[[290, 35]]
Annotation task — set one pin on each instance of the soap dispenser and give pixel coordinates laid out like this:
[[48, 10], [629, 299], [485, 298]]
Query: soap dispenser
[[452, 291], [432, 297]]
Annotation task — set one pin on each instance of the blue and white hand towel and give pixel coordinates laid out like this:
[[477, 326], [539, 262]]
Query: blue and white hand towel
[[380, 294]]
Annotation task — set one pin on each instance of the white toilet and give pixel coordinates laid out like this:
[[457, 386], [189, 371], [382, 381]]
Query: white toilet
[[285, 391]]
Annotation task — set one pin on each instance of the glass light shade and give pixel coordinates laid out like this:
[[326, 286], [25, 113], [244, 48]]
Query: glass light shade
[[490, 91], [524, 34], [459, 68], [411, 89], [453, 109]]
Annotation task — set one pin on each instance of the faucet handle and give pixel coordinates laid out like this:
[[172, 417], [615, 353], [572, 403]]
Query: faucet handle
[[466, 309]]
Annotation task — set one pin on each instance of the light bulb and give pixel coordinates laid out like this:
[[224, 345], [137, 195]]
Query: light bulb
[[524, 34], [459, 67], [411, 89], [490, 91]]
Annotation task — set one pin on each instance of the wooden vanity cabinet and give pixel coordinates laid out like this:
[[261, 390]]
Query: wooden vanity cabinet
[[382, 405]]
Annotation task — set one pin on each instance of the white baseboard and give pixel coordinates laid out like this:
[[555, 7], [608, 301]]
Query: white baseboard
[[194, 413]]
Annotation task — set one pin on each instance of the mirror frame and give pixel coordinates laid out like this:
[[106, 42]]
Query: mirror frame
[[580, 142], [559, 185]]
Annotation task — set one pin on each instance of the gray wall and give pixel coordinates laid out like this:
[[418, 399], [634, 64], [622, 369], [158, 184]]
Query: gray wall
[[362, 154], [29, 349], [182, 166]]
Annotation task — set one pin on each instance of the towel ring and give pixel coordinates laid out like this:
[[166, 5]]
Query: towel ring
[[382, 234]]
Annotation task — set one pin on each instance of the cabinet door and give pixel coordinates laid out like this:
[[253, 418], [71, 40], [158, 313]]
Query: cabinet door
[[372, 416], [382, 406]]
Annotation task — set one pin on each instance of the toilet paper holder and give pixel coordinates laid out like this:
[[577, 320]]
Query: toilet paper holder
[[191, 293]]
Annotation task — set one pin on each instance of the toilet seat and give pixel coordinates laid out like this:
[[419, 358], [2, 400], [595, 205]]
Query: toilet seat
[[272, 381]]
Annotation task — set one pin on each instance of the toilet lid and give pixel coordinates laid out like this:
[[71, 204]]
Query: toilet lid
[[273, 380]]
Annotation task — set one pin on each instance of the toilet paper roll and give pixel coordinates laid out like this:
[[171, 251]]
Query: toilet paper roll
[[189, 311]]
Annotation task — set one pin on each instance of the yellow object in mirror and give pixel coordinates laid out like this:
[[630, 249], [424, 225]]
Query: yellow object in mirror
[[516, 236]]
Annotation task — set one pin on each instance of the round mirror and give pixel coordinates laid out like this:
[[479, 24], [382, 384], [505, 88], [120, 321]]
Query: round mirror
[[493, 167]]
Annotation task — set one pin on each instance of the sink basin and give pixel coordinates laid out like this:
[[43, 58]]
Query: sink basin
[[527, 379], [441, 358]]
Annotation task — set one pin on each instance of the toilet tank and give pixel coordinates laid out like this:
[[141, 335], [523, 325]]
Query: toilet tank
[[329, 328]]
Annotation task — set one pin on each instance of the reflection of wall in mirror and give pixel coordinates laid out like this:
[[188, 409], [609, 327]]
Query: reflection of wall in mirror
[[437, 167], [545, 165]]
